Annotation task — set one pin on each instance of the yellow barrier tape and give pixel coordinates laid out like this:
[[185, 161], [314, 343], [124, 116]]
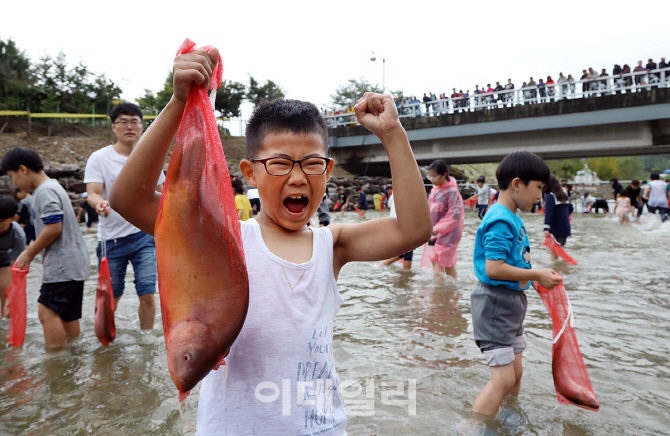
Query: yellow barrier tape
[[13, 113], [65, 115]]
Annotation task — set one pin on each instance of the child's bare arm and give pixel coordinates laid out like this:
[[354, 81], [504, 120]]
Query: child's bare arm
[[45, 238], [383, 238], [499, 270], [133, 193]]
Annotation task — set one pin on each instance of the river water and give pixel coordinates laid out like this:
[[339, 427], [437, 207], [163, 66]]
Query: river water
[[397, 332]]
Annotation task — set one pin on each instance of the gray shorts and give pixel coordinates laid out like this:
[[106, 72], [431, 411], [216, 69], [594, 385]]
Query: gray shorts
[[497, 321]]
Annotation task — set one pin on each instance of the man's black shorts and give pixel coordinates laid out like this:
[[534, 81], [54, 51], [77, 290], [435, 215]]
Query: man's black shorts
[[64, 298]]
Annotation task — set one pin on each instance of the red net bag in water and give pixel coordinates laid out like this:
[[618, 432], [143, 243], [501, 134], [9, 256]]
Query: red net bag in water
[[17, 305], [105, 328], [571, 379], [471, 202], [202, 275], [550, 242]]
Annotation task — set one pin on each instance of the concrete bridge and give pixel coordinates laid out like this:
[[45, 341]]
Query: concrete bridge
[[610, 125]]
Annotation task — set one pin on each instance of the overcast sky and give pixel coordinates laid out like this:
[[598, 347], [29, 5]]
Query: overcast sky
[[311, 47]]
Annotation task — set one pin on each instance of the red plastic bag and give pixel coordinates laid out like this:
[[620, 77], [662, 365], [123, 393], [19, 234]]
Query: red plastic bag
[[358, 211], [337, 205], [571, 379], [471, 202], [105, 329], [17, 304], [551, 243], [202, 274]]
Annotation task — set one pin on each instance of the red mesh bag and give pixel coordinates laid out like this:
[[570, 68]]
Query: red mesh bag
[[17, 305], [105, 329], [202, 275], [550, 242], [571, 379], [471, 202]]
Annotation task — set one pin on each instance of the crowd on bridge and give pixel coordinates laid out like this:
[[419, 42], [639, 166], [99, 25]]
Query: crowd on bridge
[[591, 82]]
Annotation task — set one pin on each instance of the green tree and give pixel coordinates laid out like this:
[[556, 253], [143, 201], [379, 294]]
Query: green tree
[[655, 163], [164, 95], [104, 93], [229, 98], [153, 104], [604, 167], [346, 95], [148, 103], [629, 167], [16, 77], [269, 91], [565, 168]]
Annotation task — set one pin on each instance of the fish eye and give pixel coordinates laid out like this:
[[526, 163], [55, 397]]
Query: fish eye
[[188, 357]]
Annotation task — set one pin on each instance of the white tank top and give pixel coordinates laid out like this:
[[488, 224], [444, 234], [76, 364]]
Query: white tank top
[[658, 196], [280, 376]]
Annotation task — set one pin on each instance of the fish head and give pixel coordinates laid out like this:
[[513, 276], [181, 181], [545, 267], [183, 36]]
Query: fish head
[[192, 353]]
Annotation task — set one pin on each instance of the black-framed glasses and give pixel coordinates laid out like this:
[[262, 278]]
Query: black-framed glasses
[[134, 123], [281, 166]]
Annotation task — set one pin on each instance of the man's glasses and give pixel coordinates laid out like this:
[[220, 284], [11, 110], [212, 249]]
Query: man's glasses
[[133, 123], [281, 166]]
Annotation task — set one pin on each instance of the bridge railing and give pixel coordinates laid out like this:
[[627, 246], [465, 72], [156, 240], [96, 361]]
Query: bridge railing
[[625, 83]]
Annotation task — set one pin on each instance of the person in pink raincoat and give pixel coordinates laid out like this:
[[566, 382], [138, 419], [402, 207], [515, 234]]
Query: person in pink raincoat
[[446, 209]]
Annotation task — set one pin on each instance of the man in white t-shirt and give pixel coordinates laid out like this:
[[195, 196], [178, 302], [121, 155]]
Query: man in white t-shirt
[[124, 242]]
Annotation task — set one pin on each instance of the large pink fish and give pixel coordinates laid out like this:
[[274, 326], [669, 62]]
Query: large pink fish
[[202, 275]]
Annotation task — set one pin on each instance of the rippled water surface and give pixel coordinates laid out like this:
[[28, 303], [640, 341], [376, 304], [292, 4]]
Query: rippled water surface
[[395, 328]]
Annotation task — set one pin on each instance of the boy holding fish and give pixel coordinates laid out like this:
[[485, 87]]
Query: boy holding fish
[[285, 343]]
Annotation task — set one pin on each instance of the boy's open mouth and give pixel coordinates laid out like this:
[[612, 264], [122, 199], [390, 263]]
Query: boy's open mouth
[[296, 203]]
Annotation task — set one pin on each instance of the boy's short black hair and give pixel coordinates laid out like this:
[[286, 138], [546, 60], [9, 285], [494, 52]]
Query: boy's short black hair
[[653, 176], [525, 165], [481, 179], [8, 207], [18, 156], [283, 115], [125, 108], [440, 167]]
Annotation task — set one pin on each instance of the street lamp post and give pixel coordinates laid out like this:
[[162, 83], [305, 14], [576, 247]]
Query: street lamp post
[[374, 58]]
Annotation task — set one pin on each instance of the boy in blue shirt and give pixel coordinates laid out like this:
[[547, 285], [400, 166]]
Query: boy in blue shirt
[[502, 265]]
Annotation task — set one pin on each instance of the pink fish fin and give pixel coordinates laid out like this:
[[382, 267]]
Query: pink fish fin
[[183, 395], [222, 360]]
